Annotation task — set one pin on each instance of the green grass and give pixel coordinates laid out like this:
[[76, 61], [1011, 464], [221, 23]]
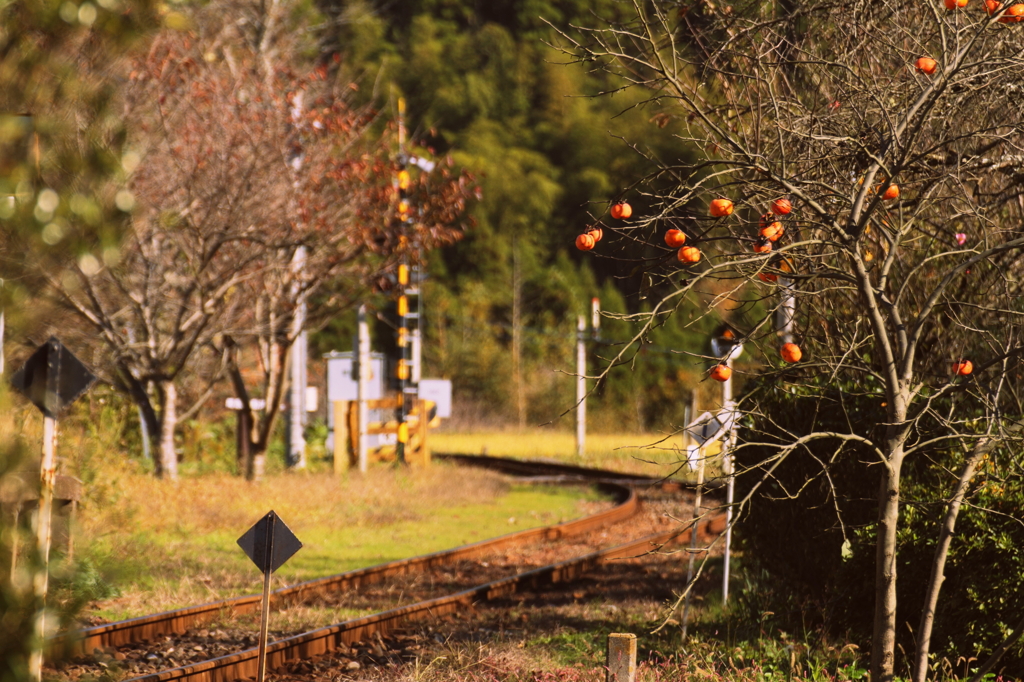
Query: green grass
[[160, 546]]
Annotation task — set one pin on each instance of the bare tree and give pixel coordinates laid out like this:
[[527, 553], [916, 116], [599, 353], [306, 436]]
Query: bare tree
[[902, 250], [289, 191]]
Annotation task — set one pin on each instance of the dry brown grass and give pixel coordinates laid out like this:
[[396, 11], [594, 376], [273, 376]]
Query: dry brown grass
[[650, 454]]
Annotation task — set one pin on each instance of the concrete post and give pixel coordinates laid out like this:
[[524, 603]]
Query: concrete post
[[621, 661]]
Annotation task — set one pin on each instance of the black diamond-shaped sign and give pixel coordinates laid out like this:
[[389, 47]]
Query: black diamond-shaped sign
[[269, 543], [52, 378]]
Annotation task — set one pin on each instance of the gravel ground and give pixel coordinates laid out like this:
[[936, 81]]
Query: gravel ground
[[605, 595]]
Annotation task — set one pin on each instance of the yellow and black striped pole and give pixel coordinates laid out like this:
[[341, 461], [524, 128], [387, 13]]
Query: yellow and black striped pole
[[402, 366], [402, 305]]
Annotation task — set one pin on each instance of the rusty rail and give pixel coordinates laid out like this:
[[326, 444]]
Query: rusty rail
[[182, 620], [243, 664]]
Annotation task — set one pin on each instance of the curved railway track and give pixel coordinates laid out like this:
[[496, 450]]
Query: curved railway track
[[304, 645]]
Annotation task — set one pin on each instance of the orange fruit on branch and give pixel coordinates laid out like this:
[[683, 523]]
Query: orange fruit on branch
[[993, 6], [781, 207], [689, 254], [597, 233], [721, 372], [675, 238], [891, 192], [773, 231], [585, 242], [762, 245], [955, 4], [768, 277], [926, 65], [621, 210], [963, 368], [720, 208], [1013, 15], [791, 352]]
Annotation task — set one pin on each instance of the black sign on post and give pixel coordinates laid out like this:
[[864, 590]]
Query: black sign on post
[[269, 543], [52, 378]]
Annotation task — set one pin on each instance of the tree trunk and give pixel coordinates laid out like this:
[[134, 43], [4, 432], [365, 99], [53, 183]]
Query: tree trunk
[[883, 645], [517, 337], [257, 462], [924, 634], [167, 465]]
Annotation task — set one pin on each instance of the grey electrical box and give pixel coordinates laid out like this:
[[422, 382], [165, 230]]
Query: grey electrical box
[[341, 378], [439, 391]]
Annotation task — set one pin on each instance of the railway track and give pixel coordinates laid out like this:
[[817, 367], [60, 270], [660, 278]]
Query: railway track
[[243, 663]]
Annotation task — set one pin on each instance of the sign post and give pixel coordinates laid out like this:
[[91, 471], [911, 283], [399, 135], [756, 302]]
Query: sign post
[[269, 543], [52, 378], [726, 346]]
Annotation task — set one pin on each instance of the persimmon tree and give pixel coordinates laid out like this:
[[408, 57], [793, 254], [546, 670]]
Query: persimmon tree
[[900, 254]]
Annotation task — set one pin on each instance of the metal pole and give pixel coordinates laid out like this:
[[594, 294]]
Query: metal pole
[[727, 469], [402, 371], [696, 516], [697, 502], [265, 615], [404, 357], [581, 389], [417, 355], [362, 385]]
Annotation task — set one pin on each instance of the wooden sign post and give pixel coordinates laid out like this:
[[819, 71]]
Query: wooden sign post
[[52, 378]]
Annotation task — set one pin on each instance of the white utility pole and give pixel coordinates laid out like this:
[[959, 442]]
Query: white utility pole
[[362, 386], [581, 388], [727, 469], [298, 380], [295, 440]]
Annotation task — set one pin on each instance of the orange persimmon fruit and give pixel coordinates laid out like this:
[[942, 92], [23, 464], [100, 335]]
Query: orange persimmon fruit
[[791, 352], [773, 231], [689, 254], [963, 368], [926, 65], [1013, 15], [720, 208], [675, 238], [721, 372], [621, 210]]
